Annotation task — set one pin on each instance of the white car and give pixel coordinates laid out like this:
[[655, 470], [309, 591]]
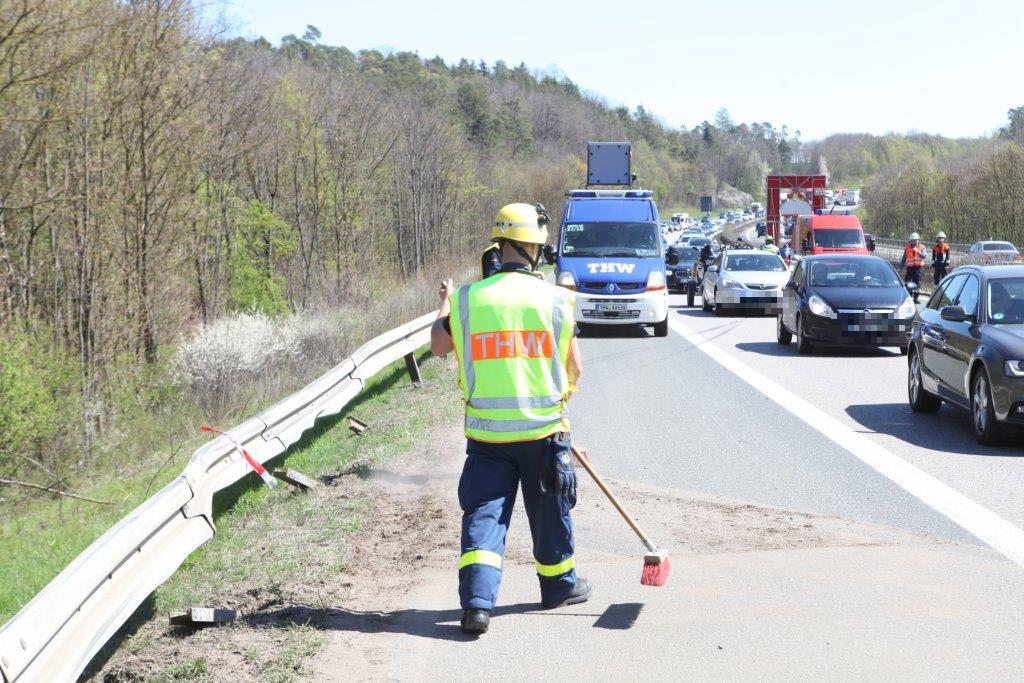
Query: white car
[[991, 252], [745, 279]]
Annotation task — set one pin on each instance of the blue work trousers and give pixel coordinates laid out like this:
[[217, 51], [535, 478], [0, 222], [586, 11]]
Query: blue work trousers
[[487, 494]]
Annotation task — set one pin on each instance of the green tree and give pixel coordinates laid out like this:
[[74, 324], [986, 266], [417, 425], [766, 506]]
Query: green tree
[[261, 239]]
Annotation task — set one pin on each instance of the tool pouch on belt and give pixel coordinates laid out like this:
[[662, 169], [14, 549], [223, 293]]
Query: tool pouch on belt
[[558, 476]]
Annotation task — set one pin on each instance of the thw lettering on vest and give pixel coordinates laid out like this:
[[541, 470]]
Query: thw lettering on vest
[[603, 267], [512, 344]]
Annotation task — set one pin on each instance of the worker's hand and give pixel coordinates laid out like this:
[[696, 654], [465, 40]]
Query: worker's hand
[[447, 287]]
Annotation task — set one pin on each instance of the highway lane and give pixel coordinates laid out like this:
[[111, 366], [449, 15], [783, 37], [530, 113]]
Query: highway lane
[[866, 389], [659, 411]]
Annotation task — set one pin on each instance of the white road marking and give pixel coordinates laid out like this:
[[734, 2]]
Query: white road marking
[[997, 532]]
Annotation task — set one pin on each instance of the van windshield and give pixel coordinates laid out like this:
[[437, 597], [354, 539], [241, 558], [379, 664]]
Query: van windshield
[[635, 240], [844, 238]]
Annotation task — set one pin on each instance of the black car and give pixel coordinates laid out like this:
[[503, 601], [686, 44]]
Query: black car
[[967, 349], [680, 270], [847, 299]]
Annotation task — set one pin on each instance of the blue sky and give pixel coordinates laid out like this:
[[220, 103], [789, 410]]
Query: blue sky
[[952, 68]]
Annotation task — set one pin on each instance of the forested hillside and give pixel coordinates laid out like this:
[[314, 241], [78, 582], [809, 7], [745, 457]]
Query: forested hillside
[[155, 178]]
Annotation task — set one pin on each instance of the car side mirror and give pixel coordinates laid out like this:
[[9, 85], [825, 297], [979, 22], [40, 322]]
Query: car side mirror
[[792, 285], [550, 254], [955, 314], [672, 258], [712, 269]]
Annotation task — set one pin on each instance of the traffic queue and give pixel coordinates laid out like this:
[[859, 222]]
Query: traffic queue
[[964, 343]]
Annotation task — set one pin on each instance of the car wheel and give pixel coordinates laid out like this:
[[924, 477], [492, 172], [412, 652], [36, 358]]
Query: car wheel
[[983, 414], [661, 329], [704, 305], [803, 344], [921, 401], [781, 333]]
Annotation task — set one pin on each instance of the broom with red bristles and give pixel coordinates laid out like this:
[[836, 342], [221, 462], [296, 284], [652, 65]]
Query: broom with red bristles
[[656, 564]]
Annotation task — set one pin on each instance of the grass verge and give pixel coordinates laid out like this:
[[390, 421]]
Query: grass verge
[[278, 547]]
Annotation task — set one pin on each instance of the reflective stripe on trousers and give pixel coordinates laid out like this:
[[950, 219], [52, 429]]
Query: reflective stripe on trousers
[[556, 569], [487, 557]]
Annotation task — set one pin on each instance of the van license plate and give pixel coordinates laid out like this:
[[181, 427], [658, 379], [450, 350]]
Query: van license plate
[[611, 307]]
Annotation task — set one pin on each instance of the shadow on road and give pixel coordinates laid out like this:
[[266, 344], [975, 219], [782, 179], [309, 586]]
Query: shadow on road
[[424, 623], [592, 331], [947, 431], [772, 348], [619, 617]]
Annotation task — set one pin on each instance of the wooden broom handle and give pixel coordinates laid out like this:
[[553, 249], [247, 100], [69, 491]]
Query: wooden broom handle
[[585, 461]]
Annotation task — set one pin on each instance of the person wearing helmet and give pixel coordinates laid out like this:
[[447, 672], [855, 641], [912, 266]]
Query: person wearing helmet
[[940, 258], [519, 362], [769, 245], [913, 261]]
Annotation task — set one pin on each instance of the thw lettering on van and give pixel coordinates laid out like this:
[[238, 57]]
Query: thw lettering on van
[[605, 267], [512, 344]]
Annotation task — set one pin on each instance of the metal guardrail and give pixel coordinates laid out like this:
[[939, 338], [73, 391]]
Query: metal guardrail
[[55, 635]]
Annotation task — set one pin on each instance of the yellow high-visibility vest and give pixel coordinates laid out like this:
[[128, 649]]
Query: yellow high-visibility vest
[[512, 335]]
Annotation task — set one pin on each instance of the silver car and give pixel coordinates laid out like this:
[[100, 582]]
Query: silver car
[[745, 279], [991, 252]]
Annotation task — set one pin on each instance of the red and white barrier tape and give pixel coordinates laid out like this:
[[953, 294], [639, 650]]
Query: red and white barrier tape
[[253, 462]]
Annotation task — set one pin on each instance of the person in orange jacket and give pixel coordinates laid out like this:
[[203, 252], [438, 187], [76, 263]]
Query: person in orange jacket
[[913, 261], [940, 258]]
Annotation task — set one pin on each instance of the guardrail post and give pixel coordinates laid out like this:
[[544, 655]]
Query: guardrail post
[[413, 368]]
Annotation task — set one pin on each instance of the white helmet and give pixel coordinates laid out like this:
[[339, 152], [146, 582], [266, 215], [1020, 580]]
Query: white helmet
[[941, 235], [914, 236]]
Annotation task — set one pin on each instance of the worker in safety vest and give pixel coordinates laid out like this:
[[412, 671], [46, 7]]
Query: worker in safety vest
[[913, 260], [769, 245], [940, 258], [490, 261], [514, 338]]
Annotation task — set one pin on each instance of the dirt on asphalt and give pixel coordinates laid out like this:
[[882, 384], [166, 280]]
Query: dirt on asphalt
[[410, 530]]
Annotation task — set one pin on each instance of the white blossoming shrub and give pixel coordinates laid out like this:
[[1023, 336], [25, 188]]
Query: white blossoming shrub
[[228, 356]]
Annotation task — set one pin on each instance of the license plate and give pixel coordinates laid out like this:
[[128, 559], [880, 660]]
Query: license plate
[[610, 307]]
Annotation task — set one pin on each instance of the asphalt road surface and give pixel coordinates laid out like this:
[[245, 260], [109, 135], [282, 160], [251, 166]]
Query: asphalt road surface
[[817, 529]]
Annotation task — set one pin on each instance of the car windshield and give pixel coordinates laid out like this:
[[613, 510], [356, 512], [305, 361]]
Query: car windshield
[[838, 239], [688, 253], [699, 241], [853, 273], [998, 246], [636, 240], [754, 262], [1006, 301]]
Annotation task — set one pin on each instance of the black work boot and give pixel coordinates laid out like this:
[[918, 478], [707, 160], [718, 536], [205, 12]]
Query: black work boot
[[579, 593], [475, 620]]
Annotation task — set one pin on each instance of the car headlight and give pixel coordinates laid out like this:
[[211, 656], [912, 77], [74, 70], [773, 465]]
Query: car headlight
[[1014, 368], [907, 309], [726, 283], [655, 281], [566, 279], [820, 308]]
